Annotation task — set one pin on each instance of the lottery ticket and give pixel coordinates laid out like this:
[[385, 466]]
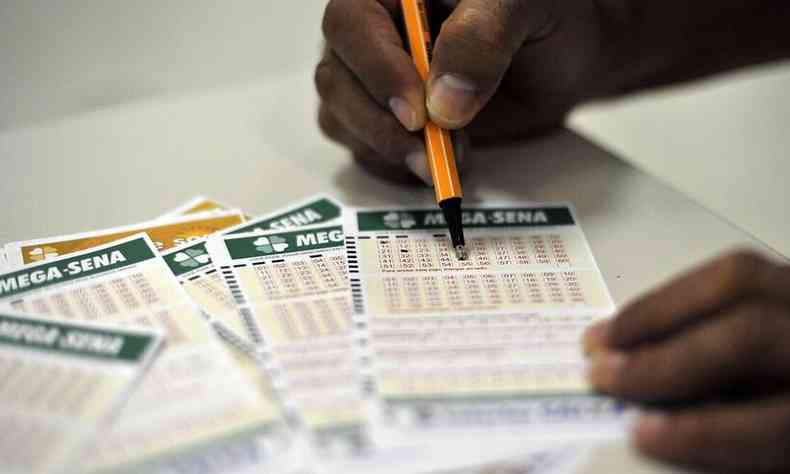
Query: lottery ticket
[[193, 267], [492, 341], [195, 407], [164, 234], [60, 383], [292, 287], [197, 204]]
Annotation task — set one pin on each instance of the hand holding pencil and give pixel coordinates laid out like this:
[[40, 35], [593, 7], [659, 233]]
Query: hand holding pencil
[[487, 75]]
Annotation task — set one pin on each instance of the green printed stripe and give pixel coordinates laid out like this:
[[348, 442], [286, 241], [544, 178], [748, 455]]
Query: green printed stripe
[[418, 219], [316, 212], [73, 339], [67, 269], [284, 243]]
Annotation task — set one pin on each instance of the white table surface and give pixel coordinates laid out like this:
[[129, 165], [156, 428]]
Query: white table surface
[[257, 147]]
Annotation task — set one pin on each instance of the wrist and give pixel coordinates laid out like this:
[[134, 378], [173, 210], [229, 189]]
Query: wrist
[[659, 43]]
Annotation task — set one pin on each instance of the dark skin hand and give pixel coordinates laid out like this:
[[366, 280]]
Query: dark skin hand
[[708, 353], [494, 61], [709, 356], [505, 69]]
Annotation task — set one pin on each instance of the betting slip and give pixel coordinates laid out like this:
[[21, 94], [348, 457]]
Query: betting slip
[[193, 267], [489, 341], [60, 384], [193, 395], [292, 286]]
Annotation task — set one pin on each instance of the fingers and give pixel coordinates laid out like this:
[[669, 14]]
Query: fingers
[[750, 437], [352, 109], [363, 34], [689, 298], [745, 344], [474, 50]]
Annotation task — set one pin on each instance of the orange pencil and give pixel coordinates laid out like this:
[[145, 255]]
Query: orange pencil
[[438, 144]]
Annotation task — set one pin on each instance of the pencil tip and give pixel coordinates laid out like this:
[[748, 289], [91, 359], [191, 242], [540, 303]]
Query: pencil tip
[[460, 252]]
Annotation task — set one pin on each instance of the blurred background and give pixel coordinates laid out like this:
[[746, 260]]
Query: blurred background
[[725, 141]]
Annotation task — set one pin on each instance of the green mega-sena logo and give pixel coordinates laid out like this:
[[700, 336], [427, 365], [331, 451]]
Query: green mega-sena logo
[[73, 339], [188, 259], [281, 243], [317, 212], [425, 219], [66, 269]]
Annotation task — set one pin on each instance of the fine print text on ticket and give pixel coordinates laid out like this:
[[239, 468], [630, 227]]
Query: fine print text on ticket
[[192, 395], [492, 341]]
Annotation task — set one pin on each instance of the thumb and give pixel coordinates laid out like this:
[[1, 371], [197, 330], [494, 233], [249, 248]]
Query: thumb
[[473, 51]]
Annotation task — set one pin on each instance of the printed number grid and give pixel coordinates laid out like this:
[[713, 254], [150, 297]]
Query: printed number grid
[[305, 319], [134, 299], [434, 254], [302, 305], [56, 389], [41, 405], [484, 291], [300, 277], [484, 380], [213, 289]]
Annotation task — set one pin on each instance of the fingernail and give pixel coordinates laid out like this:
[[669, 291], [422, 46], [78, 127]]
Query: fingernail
[[404, 113], [594, 338], [650, 426], [418, 164], [605, 369], [452, 100]]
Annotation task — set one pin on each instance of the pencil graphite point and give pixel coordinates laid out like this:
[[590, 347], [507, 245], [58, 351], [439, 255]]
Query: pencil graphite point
[[460, 253]]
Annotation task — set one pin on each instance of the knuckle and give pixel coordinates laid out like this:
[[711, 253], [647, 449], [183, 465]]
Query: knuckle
[[738, 266], [731, 274], [475, 30], [753, 331], [325, 78]]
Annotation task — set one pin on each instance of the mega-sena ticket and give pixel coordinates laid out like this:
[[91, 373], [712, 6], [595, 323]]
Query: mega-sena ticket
[[165, 235], [60, 383], [192, 266], [292, 287], [492, 340], [194, 398]]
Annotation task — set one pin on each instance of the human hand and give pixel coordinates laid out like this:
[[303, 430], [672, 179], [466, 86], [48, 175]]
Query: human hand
[[712, 348], [504, 68]]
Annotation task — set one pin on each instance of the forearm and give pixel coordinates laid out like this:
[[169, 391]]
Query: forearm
[[664, 42]]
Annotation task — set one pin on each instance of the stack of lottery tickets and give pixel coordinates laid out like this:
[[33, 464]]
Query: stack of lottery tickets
[[315, 338]]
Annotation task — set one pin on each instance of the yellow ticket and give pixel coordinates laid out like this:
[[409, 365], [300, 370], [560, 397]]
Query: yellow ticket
[[164, 234]]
